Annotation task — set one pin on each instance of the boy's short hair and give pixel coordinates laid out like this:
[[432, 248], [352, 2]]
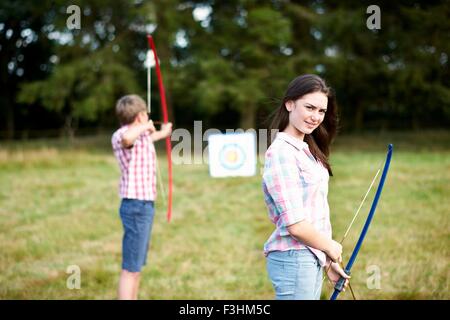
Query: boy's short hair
[[128, 107]]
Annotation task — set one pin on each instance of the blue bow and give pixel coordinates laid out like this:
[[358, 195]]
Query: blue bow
[[340, 283]]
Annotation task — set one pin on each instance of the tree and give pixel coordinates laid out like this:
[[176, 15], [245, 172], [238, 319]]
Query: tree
[[100, 62], [91, 64], [234, 58], [397, 72], [24, 55]]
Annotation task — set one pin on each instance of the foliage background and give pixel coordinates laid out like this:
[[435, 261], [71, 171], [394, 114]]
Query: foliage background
[[225, 62]]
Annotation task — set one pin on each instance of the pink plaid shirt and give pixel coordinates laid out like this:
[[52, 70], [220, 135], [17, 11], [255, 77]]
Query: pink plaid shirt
[[295, 188], [137, 165]]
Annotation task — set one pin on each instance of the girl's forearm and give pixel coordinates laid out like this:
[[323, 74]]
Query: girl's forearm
[[308, 235]]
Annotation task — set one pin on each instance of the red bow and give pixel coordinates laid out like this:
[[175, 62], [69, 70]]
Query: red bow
[[162, 94]]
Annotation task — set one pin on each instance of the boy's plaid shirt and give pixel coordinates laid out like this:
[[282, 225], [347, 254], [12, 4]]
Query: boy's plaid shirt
[[137, 165], [295, 188]]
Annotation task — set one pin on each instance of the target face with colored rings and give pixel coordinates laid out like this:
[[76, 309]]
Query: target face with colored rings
[[232, 156]]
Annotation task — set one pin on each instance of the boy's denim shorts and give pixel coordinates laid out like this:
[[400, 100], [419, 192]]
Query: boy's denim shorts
[[137, 219], [295, 274]]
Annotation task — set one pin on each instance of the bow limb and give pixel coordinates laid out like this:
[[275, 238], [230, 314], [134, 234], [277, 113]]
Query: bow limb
[[340, 284], [165, 114]]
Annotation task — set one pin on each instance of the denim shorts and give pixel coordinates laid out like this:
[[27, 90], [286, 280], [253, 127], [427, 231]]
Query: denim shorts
[[137, 219], [295, 274]]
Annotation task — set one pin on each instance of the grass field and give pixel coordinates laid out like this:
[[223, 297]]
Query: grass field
[[58, 207]]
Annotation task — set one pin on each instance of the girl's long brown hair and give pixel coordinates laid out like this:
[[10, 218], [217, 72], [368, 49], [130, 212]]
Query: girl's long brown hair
[[320, 139]]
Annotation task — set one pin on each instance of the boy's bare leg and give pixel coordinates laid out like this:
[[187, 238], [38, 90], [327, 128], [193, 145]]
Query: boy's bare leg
[[136, 286], [127, 285]]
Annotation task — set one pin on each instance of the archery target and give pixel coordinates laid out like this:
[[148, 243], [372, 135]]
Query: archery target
[[232, 155]]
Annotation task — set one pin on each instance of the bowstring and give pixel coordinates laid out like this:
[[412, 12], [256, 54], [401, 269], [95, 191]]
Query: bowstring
[[348, 229], [149, 109]]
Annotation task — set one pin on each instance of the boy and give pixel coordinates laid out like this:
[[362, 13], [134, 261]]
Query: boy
[[133, 147]]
